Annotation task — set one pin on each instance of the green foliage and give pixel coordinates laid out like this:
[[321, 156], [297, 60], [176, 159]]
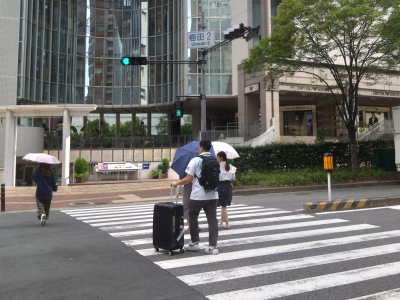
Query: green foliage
[[162, 126], [165, 165], [297, 156], [95, 124], [186, 128], [310, 177], [141, 130], [320, 136], [156, 172], [81, 166], [125, 129], [82, 175]]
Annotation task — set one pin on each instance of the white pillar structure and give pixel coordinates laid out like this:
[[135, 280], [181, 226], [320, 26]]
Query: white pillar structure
[[66, 147], [10, 149]]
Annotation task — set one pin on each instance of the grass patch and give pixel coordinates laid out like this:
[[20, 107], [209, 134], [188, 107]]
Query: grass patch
[[311, 177]]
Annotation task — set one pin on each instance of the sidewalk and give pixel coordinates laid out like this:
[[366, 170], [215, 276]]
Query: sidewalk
[[123, 192]]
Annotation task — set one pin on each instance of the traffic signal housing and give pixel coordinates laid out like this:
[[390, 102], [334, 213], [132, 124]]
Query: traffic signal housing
[[126, 61], [178, 109]]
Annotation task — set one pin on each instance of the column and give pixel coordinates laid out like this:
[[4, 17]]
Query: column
[[117, 124], [133, 125], [196, 118], [276, 116], [149, 124], [85, 121], [10, 149], [66, 147]]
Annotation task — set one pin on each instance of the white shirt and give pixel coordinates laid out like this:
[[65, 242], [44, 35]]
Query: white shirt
[[226, 175], [194, 169]]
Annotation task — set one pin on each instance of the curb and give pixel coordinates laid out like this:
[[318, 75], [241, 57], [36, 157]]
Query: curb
[[258, 191], [350, 204]]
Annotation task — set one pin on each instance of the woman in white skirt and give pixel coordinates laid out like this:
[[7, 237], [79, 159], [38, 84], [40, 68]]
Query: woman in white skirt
[[226, 175]]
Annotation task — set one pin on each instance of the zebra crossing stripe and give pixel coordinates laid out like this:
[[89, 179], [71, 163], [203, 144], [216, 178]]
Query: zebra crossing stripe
[[240, 230], [237, 214], [200, 260], [386, 295], [113, 208], [280, 266], [233, 223], [310, 284], [273, 237], [150, 212]]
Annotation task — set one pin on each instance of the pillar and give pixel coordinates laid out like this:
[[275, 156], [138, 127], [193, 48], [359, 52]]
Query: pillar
[[133, 128], [117, 124], [66, 146], [196, 118], [149, 124], [10, 149], [85, 121]]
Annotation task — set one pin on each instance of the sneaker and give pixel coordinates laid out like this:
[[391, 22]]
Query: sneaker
[[187, 230], [43, 219], [192, 247], [227, 226], [212, 250]]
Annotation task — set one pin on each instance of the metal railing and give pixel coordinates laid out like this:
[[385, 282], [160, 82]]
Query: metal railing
[[159, 141], [265, 138], [377, 130]]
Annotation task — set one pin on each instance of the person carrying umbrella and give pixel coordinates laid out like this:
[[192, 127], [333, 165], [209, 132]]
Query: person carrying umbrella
[[45, 179]]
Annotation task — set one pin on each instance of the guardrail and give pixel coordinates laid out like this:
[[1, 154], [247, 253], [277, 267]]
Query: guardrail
[[265, 138], [377, 130]]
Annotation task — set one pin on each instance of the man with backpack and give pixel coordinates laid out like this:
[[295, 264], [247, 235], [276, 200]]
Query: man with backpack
[[203, 172]]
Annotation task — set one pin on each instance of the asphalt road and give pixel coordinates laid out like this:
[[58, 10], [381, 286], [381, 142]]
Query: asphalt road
[[272, 250]]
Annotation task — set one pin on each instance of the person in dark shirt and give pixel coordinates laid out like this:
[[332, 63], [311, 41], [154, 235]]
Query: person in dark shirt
[[44, 178]]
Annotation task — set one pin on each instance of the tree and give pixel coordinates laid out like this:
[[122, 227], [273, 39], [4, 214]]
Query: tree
[[125, 128], [186, 128], [162, 126], [94, 129], [354, 40], [141, 129]]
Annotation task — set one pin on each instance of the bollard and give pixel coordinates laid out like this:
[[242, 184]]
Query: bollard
[[3, 197]]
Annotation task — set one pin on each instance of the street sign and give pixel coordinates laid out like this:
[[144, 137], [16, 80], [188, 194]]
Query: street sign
[[201, 39]]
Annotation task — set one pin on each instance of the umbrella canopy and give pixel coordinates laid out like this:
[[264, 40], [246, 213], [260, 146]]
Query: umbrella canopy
[[42, 158], [183, 155], [228, 149]]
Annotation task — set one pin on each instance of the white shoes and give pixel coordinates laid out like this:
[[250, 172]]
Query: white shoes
[[212, 250], [192, 247], [43, 219]]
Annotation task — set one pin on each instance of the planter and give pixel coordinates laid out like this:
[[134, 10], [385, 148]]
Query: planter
[[164, 176], [79, 180]]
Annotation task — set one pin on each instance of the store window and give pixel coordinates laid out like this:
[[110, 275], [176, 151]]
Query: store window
[[298, 123]]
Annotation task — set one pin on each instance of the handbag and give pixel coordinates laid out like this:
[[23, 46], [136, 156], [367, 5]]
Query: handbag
[[55, 187]]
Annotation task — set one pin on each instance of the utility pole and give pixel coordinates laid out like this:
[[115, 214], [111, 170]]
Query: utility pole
[[203, 127]]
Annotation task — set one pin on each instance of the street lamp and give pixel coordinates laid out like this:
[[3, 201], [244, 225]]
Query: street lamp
[[328, 167]]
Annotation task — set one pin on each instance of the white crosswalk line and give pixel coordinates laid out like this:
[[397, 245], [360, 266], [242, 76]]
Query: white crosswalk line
[[247, 210], [240, 230], [108, 208], [201, 260], [231, 216], [279, 266], [232, 223], [150, 212], [386, 295], [310, 284], [272, 237]]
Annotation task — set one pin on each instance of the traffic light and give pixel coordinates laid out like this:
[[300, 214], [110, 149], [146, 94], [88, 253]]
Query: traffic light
[[126, 61], [178, 109], [234, 32]]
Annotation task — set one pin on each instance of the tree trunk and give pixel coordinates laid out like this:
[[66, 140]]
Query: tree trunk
[[353, 148]]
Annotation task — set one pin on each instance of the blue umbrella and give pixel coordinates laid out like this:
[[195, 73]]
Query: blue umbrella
[[183, 155]]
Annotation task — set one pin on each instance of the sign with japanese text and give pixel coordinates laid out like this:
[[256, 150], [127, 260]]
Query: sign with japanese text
[[201, 39]]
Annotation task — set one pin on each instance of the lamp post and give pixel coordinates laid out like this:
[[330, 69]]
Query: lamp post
[[328, 167]]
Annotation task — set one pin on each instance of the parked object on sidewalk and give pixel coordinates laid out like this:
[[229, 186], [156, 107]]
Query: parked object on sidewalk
[[168, 226], [228, 149], [42, 158], [183, 155]]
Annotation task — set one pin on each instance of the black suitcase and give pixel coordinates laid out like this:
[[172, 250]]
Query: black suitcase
[[168, 226]]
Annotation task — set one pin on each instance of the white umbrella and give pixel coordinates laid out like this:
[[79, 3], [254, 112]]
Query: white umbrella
[[228, 149], [42, 158]]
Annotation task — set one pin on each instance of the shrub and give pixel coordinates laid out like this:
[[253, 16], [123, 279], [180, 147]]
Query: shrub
[[165, 165], [81, 166]]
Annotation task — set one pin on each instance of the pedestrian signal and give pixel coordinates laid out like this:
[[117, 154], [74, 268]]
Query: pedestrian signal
[[126, 61], [178, 109]]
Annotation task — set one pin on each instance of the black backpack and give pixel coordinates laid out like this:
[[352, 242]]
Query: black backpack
[[209, 178]]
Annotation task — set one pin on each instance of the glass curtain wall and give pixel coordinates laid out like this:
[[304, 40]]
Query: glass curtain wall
[[219, 62], [71, 51]]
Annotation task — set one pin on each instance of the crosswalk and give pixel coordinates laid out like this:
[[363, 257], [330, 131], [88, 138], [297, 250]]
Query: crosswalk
[[268, 253]]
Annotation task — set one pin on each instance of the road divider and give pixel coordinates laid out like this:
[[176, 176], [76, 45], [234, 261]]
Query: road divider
[[347, 204]]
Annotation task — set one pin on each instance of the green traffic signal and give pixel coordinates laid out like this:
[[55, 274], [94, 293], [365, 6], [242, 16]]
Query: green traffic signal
[[125, 61], [178, 113]]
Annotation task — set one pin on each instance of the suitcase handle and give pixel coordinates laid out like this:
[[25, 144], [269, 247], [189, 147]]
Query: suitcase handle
[[177, 193]]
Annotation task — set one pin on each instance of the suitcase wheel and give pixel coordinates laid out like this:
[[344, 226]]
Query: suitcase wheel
[[170, 253], [182, 250], [157, 249]]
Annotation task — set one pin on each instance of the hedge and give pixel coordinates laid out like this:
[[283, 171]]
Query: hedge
[[295, 156]]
